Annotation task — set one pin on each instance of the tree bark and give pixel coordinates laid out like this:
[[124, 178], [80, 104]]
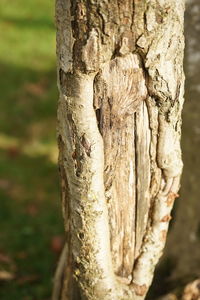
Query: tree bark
[[121, 85], [186, 266]]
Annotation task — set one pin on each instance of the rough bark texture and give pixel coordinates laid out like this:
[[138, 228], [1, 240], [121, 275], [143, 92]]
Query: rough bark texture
[[186, 229], [121, 88]]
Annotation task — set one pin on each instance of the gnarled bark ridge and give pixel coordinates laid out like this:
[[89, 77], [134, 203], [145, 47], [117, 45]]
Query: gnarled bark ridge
[[121, 85]]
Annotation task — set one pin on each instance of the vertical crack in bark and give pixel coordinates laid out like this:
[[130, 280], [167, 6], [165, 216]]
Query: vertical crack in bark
[[136, 183]]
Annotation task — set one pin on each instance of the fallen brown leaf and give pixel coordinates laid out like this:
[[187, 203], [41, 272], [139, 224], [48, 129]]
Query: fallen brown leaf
[[21, 255], [13, 151], [5, 258], [28, 278], [6, 263], [57, 243], [36, 89], [32, 209], [4, 184]]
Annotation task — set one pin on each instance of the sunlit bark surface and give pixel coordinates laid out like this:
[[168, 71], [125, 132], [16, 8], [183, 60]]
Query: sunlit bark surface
[[186, 228], [120, 79]]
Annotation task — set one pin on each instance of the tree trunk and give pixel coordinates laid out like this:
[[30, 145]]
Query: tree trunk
[[186, 229], [121, 80]]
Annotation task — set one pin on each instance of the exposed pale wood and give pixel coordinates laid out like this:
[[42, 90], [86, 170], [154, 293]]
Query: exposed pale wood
[[143, 174], [120, 91]]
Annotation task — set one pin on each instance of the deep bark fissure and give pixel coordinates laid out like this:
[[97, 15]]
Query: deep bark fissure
[[136, 181]]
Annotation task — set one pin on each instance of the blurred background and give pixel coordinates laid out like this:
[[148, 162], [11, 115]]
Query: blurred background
[[31, 232]]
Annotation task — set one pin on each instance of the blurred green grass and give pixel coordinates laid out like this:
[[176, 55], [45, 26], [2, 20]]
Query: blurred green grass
[[30, 212]]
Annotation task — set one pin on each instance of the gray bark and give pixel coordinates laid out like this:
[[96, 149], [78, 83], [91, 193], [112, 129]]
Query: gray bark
[[121, 80]]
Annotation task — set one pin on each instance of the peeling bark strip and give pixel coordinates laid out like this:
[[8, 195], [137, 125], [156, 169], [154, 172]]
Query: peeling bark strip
[[121, 86]]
